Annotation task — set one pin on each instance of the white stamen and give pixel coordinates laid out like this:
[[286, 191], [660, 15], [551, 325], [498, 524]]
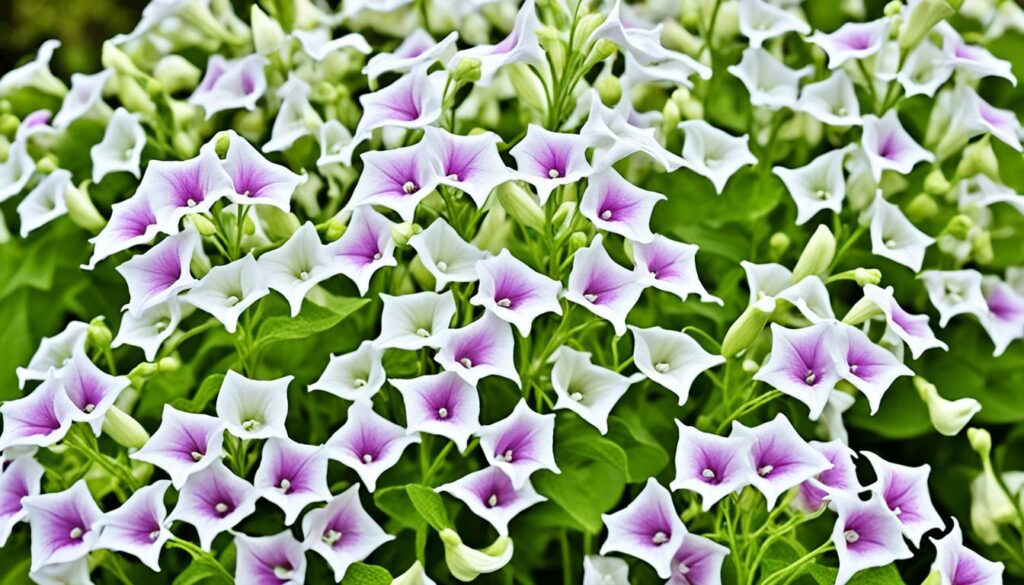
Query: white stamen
[[466, 362], [283, 573], [247, 193], [453, 177], [303, 275], [331, 537], [591, 297], [378, 256], [336, 149], [127, 154], [250, 424], [810, 377], [191, 202], [492, 501], [196, 456], [765, 470], [442, 266], [841, 111], [154, 535], [507, 456], [367, 458], [232, 300], [422, 332], [659, 538], [89, 407], [553, 173], [890, 243], [285, 485], [606, 214], [851, 536], [853, 368], [822, 194], [707, 473], [221, 507], [76, 533], [577, 396], [897, 510], [409, 187], [160, 326], [359, 382], [442, 412], [506, 302], [662, 367]]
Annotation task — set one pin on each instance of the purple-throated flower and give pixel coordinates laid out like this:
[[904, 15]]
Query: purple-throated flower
[[520, 444], [1004, 318], [698, 562], [413, 101], [18, 479], [175, 189], [711, 465], [470, 164], [229, 85], [801, 364], [912, 329], [852, 41], [278, 559], [365, 247], [417, 50], [40, 419], [441, 404], [161, 272], [483, 348], [514, 292], [648, 528], [139, 526], [615, 205], [342, 532], [132, 222], [841, 477], [890, 147], [63, 525], [489, 494], [585, 388], [91, 390], [214, 500], [671, 266], [256, 180], [866, 535], [547, 160], [398, 179], [185, 443], [958, 565], [973, 61], [253, 409], [292, 476], [904, 490], [605, 288], [868, 366], [520, 46], [368, 443]]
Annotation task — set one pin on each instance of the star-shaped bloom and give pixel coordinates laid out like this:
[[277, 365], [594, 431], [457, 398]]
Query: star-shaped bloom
[[414, 321], [483, 348], [832, 101], [586, 388], [132, 222], [514, 292], [841, 477], [520, 46], [671, 266], [417, 50], [179, 188], [76, 571], [35, 73], [760, 21], [905, 491], [256, 180], [161, 272], [19, 479], [816, 186], [121, 147], [925, 70], [368, 443], [972, 60], [138, 527], [615, 205], [713, 153], [648, 528], [895, 237], [342, 532], [411, 102], [441, 404], [976, 116], [890, 147], [54, 352], [253, 409], [226, 291], [297, 266], [229, 85], [912, 329], [605, 288], [489, 494], [398, 179], [520, 444], [671, 358], [866, 535], [356, 375], [185, 444], [63, 525], [84, 98], [770, 84], [214, 500], [614, 136], [868, 366], [698, 562], [711, 465], [152, 328], [364, 248], [45, 202], [335, 141], [955, 292], [959, 565], [40, 419], [91, 390], [782, 459], [16, 170], [318, 44], [1004, 317], [811, 298], [292, 476], [547, 160], [445, 254], [278, 559], [294, 119], [470, 164], [801, 364], [852, 41], [602, 570]]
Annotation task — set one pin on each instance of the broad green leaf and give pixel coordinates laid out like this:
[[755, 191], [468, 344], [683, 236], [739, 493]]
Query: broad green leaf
[[584, 491], [430, 505], [207, 392], [204, 571], [363, 574], [314, 318], [394, 501]]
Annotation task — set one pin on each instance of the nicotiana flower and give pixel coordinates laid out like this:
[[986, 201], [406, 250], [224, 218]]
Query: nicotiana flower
[[85, 97], [761, 20], [895, 237], [253, 409], [417, 50], [256, 180], [801, 364], [226, 291], [470, 164], [18, 479], [483, 348], [976, 116], [365, 247], [852, 41], [714, 153], [35, 73], [959, 565], [445, 254], [356, 375], [905, 491], [615, 134], [866, 535], [63, 525], [297, 266], [40, 419], [955, 292], [671, 358], [782, 459], [413, 101], [16, 170], [520, 444], [318, 44], [698, 562], [398, 179], [972, 60], [816, 186], [868, 366], [811, 298], [711, 465], [278, 559], [152, 328], [185, 444], [45, 202], [91, 390], [648, 528], [770, 84], [1004, 318], [54, 352], [585, 388], [520, 46], [414, 321], [841, 477], [335, 143], [832, 101], [297, 118], [161, 272], [889, 147], [912, 329], [605, 570], [229, 85], [132, 222], [138, 527], [214, 500], [601, 285], [121, 147], [175, 189], [514, 292], [548, 160], [671, 266], [489, 494], [441, 404], [342, 532], [926, 69], [292, 476], [615, 205], [368, 443]]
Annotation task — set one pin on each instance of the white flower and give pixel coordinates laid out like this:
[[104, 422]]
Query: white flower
[[714, 153], [121, 147], [816, 186], [895, 237], [770, 83]]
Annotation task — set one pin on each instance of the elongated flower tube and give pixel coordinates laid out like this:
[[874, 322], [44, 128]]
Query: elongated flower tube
[[782, 459], [868, 366], [866, 535], [482, 348], [602, 286], [85, 97], [185, 444], [954, 292], [547, 160], [292, 476], [365, 247], [446, 255], [713, 153], [368, 443], [761, 21], [357, 375], [342, 532], [520, 444], [152, 328], [711, 465], [841, 477], [648, 528], [441, 404], [671, 358], [586, 388], [161, 272], [297, 266], [415, 321], [397, 179], [514, 292], [817, 186], [893, 236], [958, 565], [770, 84], [889, 147], [91, 390], [132, 222], [256, 180], [138, 527], [214, 500], [54, 352], [616, 136], [605, 570], [230, 85], [253, 409], [63, 525], [801, 364], [489, 494], [520, 46], [40, 419], [45, 202], [671, 266], [1004, 319], [175, 189], [853, 41], [832, 101], [912, 329], [226, 291], [278, 559], [466, 563], [416, 50], [470, 164], [905, 491], [35, 73], [615, 205], [411, 102], [18, 479], [698, 562], [121, 147]]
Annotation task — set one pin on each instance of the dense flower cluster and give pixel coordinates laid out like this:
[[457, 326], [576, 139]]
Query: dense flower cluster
[[491, 234]]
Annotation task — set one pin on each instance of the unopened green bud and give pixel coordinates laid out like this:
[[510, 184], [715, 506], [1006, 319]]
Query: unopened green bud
[[203, 225], [494, 231], [670, 117], [693, 110], [921, 208], [123, 429], [551, 40], [979, 158], [5, 106], [81, 209], [893, 8], [862, 276], [468, 70], [563, 215], [778, 244], [527, 86], [936, 184], [114, 58], [922, 19], [267, 34], [608, 89], [48, 164], [948, 417], [98, 335], [248, 225], [221, 142], [577, 240], [134, 97], [176, 73], [981, 248], [250, 124], [279, 225], [401, 233], [466, 563], [602, 50], [168, 364], [676, 36], [9, 124], [586, 26], [817, 255], [521, 205], [981, 442], [861, 311], [154, 88], [335, 229], [185, 144], [747, 327], [960, 226]]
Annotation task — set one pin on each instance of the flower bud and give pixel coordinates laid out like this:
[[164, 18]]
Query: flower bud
[[176, 74], [467, 71], [959, 226], [267, 34], [603, 49], [577, 240], [817, 255], [114, 58], [563, 216], [527, 86], [860, 312], [608, 89], [168, 364], [204, 226], [893, 8], [778, 244], [862, 276], [670, 117], [494, 231], [466, 563], [676, 36], [936, 184], [81, 209], [551, 41], [403, 231], [335, 229], [279, 225], [947, 416], [586, 26], [134, 98], [521, 205], [981, 248], [981, 442], [922, 19], [48, 164], [185, 144], [415, 575], [124, 430], [98, 335], [9, 124], [747, 327], [979, 158], [248, 225], [921, 208], [750, 366]]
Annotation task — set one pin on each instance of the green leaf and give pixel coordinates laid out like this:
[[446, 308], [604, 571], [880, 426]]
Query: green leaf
[[204, 571], [430, 505], [692, 199], [207, 391], [394, 501], [314, 318], [584, 491], [363, 574]]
